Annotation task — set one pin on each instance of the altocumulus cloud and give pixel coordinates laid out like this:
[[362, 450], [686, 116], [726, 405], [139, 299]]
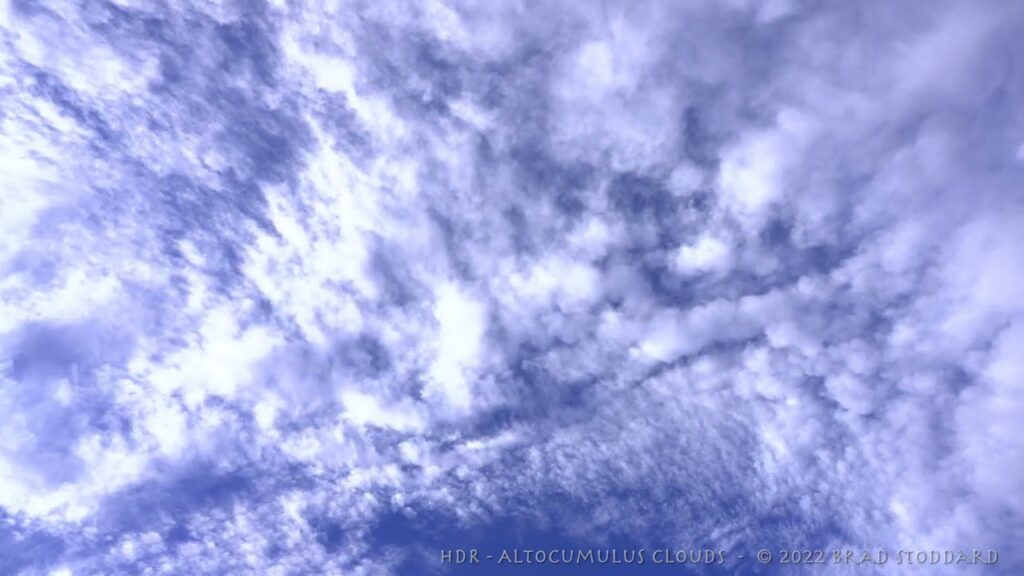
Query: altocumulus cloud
[[323, 288]]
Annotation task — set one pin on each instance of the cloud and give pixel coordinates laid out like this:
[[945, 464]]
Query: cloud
[[461, 330], [292, 289]]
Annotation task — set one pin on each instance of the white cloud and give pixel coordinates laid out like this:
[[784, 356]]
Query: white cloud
[[462, 325], [363, 409], [707, 254], [752, 177]]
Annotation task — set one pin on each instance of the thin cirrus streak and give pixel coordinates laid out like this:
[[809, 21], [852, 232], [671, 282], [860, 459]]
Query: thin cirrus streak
[[329, 288]]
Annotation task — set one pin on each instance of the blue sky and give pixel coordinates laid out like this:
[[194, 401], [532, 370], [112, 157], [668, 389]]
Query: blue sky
[[330, 287]]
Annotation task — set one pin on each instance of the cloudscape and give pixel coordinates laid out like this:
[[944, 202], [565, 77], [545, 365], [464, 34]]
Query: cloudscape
[[474, 287]]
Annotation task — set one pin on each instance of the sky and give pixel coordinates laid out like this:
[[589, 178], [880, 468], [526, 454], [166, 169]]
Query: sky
[[334, 287]]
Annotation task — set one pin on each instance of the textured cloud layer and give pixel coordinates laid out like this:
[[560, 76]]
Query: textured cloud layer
[[320, 288]]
